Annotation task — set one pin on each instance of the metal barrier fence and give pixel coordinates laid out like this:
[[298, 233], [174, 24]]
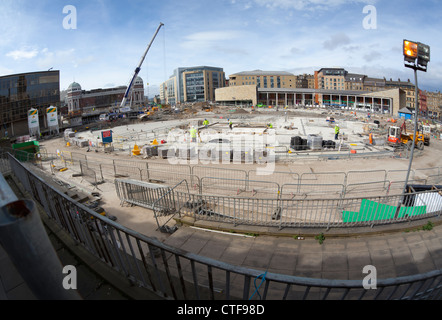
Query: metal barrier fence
[[296, 205], [356, 183], [4, 163], [89, 174], [316, 191], [139, 193], [324, 178], [374, 182], [175, 274], [328, 213], [265, 189]]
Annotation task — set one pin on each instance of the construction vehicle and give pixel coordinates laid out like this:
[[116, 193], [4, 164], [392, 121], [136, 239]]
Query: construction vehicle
[[398, 136]]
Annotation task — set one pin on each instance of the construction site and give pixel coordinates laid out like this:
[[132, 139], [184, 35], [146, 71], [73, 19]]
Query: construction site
[[248, 160], [203, 200], [172, 199]]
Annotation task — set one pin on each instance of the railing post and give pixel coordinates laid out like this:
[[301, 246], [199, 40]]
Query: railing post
[[24, 238], [147, 171]]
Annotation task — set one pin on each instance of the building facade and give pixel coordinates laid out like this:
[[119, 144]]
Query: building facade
[[434, 104], [263, 79], [21, 92], [354, 81], [330, 79], [375, 84], [192, 84], [95, 101], [385, 102], [305, 81]]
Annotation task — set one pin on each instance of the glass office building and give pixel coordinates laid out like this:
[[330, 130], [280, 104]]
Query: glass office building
[[192, 84], [21, 92]]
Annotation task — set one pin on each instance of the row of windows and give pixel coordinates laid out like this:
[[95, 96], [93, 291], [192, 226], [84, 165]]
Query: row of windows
[[19, 112], [29, 80], [195, 90], [334, 72], [20, 93], [54, 93], [334, 80]]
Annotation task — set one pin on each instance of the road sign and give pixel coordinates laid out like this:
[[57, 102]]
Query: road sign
[[106, 136]]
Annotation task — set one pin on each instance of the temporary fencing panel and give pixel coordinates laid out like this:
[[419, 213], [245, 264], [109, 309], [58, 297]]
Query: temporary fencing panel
[[312, 191], [323, 178], [356, 177], [140, 193]]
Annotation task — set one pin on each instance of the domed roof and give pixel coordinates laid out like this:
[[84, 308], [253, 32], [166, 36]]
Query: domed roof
[[74, 87], [138, 80]]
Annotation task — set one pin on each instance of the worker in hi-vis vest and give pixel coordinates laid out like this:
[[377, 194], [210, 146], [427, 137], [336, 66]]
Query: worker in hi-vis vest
[[336, 132], [193, 133], [206, 122]]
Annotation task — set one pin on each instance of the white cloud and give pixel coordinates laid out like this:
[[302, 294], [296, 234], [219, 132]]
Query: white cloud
[[4, 70], [22, 54], [48, 59], [213, 36], [336, 41], [209, 38]]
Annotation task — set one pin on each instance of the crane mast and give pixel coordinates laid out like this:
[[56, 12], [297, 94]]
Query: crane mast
[[137, 70]]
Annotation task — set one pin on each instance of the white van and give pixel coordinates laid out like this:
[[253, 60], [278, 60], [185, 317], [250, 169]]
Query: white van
[[104, 117]]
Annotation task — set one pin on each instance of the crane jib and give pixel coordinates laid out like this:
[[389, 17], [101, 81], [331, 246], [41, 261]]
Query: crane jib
[[137, 70], [129, 87]]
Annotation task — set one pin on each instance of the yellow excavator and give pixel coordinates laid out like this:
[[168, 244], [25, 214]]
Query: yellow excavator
[[398, 136]]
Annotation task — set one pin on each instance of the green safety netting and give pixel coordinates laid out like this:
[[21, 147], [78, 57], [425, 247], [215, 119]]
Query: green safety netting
[[374, 211]]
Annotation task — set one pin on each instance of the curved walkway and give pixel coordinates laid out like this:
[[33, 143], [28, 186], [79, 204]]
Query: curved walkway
[[341, 256], [409, 250]]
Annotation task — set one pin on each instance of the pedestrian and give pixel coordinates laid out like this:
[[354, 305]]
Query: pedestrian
[[336, 132]]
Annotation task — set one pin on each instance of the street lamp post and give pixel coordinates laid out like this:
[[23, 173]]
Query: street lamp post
[[416, 57]]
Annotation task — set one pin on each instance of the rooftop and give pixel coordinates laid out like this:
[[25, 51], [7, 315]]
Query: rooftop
[[356, 76], [263, 73]]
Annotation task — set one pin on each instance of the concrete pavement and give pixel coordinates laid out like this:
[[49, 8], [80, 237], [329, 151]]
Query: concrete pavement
[[341, 256], [396, 253], [90, 285]]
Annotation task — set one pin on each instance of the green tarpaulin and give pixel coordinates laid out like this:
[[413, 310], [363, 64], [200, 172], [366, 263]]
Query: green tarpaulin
[[374, 211]]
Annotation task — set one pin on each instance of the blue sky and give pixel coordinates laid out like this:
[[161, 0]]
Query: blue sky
[[299, 36]]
